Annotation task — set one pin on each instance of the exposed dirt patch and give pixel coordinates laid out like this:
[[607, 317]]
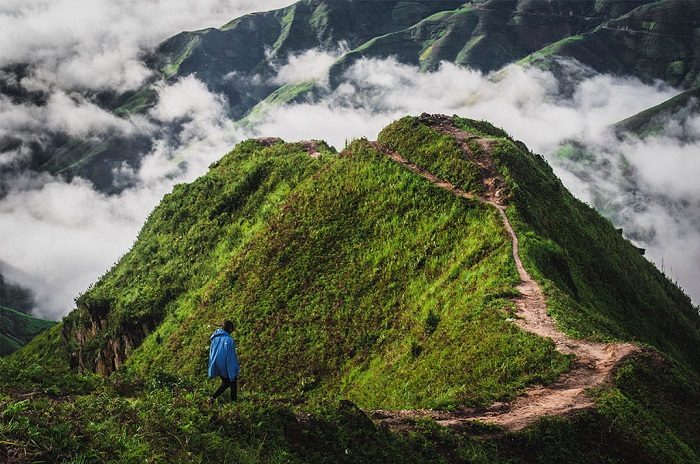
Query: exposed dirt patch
[[594, 362]]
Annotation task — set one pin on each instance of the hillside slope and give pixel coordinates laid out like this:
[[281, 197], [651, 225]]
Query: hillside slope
[[17, 329], [680, 109], [594, 361], [657, 40], [350, 276], [386, 272]]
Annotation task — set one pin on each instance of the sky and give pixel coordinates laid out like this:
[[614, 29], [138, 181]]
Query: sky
[[58, 237]]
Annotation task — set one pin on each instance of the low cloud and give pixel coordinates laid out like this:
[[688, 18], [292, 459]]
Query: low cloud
[[76, 117], [647, 187], [71, 115], [187, 98], [528, 103], [99, 44], [311, 65], [65, 235], [189, 102], [58, 237], [666, 167]]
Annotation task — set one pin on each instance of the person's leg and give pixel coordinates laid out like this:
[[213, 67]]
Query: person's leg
[[234, 389], [225, 383]]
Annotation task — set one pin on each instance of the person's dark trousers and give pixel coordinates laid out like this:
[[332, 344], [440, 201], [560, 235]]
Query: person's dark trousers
[[226, 383]]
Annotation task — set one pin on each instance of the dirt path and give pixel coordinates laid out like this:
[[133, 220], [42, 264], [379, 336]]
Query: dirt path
[[594, 362]]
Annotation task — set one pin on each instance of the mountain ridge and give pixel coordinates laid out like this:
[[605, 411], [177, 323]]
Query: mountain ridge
[[358, 282], [144, 316]]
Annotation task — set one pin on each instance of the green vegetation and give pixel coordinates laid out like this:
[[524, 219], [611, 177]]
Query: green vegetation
[[136, 103], [178, 50], [649, 416], [340, 261], [599, 285], [653, 120], [298, 92], [542, 57], [17, 329], [188, 239], [438, 153], [648, 393], [354, 282]]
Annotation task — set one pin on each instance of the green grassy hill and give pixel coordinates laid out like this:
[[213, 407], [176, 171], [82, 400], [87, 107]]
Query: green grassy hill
[[17, 329], [354, 282]]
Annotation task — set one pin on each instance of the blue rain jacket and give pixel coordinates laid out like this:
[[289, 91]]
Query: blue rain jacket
[[223, 361]]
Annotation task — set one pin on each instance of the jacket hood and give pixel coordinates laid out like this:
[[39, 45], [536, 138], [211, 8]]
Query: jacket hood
[[219, 333]]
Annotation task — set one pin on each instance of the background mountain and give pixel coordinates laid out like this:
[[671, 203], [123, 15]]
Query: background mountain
[[353, 276], [17, 329], [645, 39]]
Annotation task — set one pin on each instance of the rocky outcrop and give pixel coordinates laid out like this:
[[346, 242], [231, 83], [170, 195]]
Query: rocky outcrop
[[100, 345]]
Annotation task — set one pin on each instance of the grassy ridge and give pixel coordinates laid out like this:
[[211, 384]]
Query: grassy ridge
[[350, 277], [599, 285], [184, 243], [381, 285]]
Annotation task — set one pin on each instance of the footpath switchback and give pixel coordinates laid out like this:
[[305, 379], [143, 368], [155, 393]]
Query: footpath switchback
[[594, 362]]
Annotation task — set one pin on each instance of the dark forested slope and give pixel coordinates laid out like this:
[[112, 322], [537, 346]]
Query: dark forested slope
[[17, 329]]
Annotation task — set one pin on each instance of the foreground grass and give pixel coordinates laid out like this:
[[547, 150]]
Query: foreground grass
[[649, 414]]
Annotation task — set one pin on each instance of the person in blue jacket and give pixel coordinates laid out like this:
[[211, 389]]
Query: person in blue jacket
[[223, 361]]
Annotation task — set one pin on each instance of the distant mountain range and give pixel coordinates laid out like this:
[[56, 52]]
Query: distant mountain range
[[642, 38]]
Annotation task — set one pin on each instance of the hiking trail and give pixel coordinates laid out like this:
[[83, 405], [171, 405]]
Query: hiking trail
[[594, 362]]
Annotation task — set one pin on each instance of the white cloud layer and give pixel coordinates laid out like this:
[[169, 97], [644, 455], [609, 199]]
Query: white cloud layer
[[528, 103], [65, 235], [58, 237], [97, 44], [311, 65]]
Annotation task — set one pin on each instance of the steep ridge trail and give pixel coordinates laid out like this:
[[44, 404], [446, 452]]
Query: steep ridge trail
[[594, 362]]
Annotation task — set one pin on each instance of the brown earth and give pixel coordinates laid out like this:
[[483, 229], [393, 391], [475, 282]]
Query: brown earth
[[594, 362]]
